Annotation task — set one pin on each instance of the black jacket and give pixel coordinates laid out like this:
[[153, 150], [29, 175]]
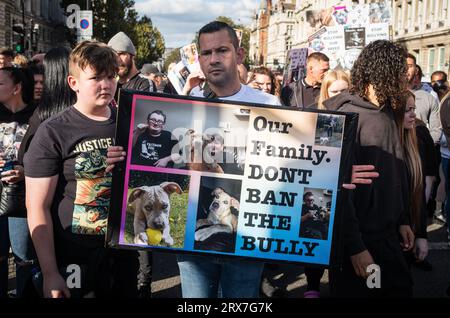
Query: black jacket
[[374, 212], [300, 94], [138, 83], [430, 167]]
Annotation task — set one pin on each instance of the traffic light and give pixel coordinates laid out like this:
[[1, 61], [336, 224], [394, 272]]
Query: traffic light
[[19, 37]]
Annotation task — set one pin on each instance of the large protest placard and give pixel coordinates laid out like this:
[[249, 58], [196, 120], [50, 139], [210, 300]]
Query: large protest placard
[[235, 179]]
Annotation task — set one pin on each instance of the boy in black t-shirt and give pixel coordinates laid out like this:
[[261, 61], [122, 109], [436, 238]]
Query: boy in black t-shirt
[[68, 190]]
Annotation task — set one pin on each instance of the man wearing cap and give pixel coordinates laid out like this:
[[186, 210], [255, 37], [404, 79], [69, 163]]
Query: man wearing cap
[[128, 73], [131, 78], [153, 74]]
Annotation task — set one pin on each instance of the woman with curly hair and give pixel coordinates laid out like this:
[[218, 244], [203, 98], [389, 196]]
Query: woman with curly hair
[[376, 223]]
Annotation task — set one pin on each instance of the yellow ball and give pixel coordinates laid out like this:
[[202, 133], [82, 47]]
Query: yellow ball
[[154, 236]]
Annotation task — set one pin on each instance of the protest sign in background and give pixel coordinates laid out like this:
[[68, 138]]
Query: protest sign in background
[[236, 184], [295, 66], [341, 32], [179, 73]]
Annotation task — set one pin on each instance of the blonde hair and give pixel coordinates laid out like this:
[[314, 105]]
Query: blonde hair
[[96, 55], [21, 60], [329, 78], [408, 139]]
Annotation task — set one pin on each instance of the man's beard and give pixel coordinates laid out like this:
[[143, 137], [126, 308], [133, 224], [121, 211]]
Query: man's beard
[[124, 69], [221, 81]]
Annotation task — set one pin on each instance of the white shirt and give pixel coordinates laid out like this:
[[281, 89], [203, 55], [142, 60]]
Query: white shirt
[[245, 94]]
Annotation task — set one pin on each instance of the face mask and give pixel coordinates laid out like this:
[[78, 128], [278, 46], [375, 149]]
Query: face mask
[[440, 86]]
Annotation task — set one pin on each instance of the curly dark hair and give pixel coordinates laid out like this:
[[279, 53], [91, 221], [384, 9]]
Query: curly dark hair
[[383, 64]]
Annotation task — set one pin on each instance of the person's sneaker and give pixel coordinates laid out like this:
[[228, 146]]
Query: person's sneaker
[[440, 217], [424, 265], [311, 294], [269, 290]]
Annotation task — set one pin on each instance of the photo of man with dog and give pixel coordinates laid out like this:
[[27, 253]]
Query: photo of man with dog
[[200, 138], [156, 209], [217, 214], [152, 145], [315, 213]]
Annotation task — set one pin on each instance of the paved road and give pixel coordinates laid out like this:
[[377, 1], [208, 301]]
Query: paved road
[[290, 279]]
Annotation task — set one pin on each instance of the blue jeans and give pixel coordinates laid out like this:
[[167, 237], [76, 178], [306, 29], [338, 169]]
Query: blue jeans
[[213, 277], [24, 253], [445, 163], [4, 252]]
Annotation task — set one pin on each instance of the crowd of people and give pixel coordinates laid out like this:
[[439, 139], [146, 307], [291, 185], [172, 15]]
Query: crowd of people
[[57, 121]]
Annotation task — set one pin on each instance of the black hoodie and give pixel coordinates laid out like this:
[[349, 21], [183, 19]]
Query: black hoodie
[[374, 212]]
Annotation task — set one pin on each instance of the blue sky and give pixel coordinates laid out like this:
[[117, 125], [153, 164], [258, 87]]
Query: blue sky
[[178, 20]]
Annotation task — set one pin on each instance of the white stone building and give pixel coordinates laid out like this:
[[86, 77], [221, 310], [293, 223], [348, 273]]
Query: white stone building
[[424, 27], [281, 33]]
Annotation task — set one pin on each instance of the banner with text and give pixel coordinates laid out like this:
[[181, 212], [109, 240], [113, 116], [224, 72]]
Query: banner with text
[[233, 179]]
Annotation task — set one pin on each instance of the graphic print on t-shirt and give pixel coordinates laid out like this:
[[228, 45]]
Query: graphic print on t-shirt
[[93, 192], [11, 135], [149, 149]]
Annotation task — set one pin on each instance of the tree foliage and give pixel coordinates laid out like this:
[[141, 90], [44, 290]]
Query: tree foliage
[[113, 16], [148, 41], [174, 57]]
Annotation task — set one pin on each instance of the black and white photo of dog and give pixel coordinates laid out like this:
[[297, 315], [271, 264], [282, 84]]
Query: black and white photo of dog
[[217, 214]]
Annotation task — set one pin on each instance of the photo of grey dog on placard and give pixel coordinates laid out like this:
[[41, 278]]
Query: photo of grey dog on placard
[[150, 206]]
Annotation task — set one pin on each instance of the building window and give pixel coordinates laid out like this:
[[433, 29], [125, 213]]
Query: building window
[[288, 45], [431, 61], [439, 9], [399, 17], [441, 65], [410, 15], [289, 29]]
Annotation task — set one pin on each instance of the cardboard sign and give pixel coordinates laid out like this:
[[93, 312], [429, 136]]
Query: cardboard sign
[[231, 179], [341, 32]]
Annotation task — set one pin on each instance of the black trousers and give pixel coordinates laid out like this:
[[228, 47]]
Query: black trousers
[[313, 276], [109, 273], [144, 276]]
